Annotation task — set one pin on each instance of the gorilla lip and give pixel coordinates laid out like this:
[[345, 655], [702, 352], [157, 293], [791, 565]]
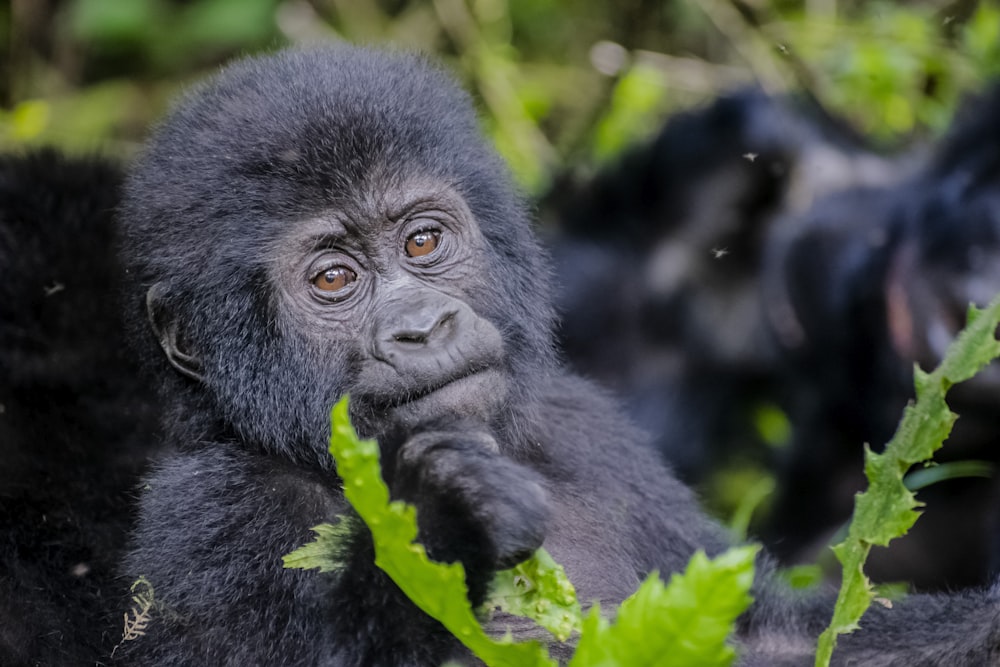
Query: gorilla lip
[[457, 396], [430, 389]]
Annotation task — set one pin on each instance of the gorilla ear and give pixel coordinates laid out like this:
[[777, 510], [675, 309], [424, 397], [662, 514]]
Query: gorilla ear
[[167, 330]]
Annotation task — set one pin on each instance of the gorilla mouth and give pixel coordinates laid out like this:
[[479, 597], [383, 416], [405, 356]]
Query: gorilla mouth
[[430, 390], [476, 393]]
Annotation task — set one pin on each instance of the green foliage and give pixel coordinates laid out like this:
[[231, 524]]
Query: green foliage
[[78, 122], [229, 23], [108, 21], [538, 589], [687, 621], [27, 120], [548, 97], [801, 577], [165, 35], [511, 124], [637, 102], [327, 553], [888, 509], [981, 40], [754, 496], [684, 623], [737, 491], [892, 68]]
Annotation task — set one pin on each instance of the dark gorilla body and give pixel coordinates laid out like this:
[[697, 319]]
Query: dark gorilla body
[[329, 222], [663, 252], [76, 424]]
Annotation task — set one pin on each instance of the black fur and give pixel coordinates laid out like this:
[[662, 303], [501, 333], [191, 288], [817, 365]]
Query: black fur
[[76, 421]]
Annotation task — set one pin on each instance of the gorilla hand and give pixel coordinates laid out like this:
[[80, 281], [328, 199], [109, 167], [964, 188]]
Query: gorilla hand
[[474, 505]]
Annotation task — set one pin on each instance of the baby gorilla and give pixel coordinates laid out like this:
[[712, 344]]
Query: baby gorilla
[[325, 222]]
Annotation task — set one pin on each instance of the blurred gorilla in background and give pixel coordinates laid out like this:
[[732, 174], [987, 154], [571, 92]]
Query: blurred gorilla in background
[[867, 283], [658, 262], [76, 421]]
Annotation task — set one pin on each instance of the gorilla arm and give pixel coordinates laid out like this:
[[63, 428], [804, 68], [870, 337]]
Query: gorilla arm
[[236, 515]]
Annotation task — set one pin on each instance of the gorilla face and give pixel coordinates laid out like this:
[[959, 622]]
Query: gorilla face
[[291, 243], [393, 283]]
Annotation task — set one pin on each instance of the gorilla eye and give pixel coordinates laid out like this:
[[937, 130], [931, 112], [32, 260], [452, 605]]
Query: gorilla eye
[[334, 279], [422, 243]]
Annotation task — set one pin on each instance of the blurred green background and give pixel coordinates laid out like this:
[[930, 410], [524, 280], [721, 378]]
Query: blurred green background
[[558, 83]]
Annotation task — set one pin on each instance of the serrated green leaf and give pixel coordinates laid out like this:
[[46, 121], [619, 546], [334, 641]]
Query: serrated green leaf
[[888, 509], [686, 622], [975, 346], [436, 588]]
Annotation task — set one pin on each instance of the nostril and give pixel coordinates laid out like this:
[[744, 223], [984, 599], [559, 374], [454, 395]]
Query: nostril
[[410, 338]]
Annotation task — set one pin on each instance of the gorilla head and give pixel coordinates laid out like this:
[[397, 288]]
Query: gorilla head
[[332, 222]]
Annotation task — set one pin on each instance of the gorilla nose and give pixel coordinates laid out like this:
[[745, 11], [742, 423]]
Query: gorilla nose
[[422, 339], [423, 333], [415, 332]]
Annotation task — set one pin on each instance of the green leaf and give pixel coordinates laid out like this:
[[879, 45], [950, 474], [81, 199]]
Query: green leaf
[[327, 552], [438, 589], [538, 589], [981, 39], [687, 622], [594, 648], [888, 509], [975, 346]]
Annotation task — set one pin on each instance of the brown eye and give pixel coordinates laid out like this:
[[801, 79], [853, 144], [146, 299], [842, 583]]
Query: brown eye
[[422, 243], [335, 279]]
